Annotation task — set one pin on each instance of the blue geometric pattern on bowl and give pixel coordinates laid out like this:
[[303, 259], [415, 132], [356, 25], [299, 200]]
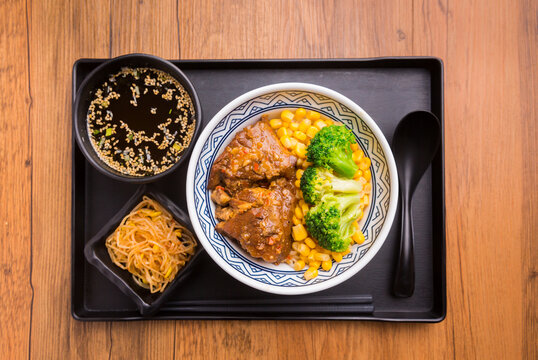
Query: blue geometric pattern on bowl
[[247, 113]]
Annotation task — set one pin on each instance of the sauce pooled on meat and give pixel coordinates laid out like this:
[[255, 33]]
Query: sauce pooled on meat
[[253, 187]]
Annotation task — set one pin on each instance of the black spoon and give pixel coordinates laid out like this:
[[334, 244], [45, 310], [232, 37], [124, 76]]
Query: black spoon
[[414, 145]]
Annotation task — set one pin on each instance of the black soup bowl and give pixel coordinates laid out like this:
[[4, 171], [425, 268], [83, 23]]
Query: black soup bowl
[[101, 74]]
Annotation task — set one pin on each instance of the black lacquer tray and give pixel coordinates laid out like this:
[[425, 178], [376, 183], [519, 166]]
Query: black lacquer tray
[[387, 89]]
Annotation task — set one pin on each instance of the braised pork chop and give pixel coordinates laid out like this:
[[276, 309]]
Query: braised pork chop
[[254, 155], [260, 220]]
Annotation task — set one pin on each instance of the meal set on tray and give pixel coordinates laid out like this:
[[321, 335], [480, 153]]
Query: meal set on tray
[[291, 188]]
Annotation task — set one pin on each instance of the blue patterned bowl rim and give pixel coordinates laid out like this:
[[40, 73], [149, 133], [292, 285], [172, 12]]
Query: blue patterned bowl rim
[[245, 110]]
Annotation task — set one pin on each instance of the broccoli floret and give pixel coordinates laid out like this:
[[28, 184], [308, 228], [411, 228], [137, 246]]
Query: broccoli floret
[[317, 182], [331, 220], [330, 148]]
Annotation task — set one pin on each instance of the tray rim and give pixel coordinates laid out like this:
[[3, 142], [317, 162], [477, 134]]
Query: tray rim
[[432, 63]]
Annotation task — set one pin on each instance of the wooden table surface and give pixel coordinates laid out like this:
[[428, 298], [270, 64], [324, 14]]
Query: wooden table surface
[[489, 52]]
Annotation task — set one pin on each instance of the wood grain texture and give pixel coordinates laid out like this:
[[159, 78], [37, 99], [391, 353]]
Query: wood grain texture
[[294, 29], [59, 33], [15, 184], [491, 132], [482, 138], [528, 80]]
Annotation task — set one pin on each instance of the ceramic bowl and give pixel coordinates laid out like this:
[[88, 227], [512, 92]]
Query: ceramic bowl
[[246, 110], [95, 79]]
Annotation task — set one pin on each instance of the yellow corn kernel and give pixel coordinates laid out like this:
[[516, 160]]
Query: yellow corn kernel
[[305, 124], [310, 273], [299, 265], [155, 213], [315, 264], [354, 147], [329, 122], [365, 200], [305, 208], [294, 142], [311, 256], [299, 162], [286, 141], [337, 256], [310, 243], [298, 183], [295, 220], [168, 272], [300, 113], [356, 224], [365, 163], [327, 265], [367, 175], [312, 131], [299, 173], [320, 124], [275, 123], [295, 245], [294, 126], [313, 115], [304, 250], [300, 150], [298, 212], [286, 115], [345, 252], [306, 164], [299, 135], [357, 155], [283, 132], [178, 233], [155, 247], [359, 239], [299, 232], [322, 257], [368, 188], [357, 175]]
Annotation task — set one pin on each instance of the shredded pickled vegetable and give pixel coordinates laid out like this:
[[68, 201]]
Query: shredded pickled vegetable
[[151, 245]]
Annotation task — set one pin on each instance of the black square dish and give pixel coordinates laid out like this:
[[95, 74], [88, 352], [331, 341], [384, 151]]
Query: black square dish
[[97, 254]]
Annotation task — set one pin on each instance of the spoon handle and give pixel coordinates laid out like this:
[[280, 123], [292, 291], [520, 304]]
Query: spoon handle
[[404, 281]]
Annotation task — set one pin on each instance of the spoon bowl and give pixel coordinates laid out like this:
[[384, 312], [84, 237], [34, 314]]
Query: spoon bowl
[[415, 143]]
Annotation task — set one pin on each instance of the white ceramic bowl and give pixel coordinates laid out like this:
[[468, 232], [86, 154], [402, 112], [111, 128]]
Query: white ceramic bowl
[[247, 109]]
